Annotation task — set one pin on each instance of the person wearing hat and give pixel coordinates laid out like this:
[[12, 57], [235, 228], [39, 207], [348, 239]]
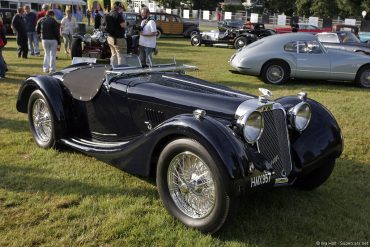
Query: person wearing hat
[[115, 26]]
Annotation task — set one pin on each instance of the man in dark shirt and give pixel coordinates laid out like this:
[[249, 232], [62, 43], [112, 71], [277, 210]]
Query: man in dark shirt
[[115, 26], [50, 36], [19, 27], [33, 39], [97, 20]]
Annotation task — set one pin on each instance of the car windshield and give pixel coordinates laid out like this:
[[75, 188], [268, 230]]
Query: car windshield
[[328, 37], [347, 37]]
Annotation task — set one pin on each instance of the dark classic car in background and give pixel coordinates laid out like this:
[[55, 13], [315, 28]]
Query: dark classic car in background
[[236, 38], [206, 144], [344, 40], [7, 16], [300, 56], [95, 45]]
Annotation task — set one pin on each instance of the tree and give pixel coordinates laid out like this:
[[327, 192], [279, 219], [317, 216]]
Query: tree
[[275, 6], [205, 4], [324, 8], [350, 8], [303, 7]]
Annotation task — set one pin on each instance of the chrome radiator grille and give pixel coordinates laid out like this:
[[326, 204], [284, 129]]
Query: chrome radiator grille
[[274, 144]]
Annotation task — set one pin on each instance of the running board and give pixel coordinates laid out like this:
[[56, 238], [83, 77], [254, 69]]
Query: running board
[[97, 147]]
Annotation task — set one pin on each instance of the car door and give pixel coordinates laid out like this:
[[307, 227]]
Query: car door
[[176, 25], [312, 61]]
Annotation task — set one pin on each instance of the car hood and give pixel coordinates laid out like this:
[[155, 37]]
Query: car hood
[[187, 93]]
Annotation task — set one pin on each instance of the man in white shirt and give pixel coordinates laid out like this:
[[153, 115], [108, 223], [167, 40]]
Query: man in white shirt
[[147, 41], [68, 27]]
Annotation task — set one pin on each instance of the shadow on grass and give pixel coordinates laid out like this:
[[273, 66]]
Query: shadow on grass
[[13, 125], [290, 217], [20, 179]]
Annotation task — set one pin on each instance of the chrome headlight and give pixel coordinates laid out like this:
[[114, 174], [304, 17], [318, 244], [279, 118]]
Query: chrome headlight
[[252, 126], [102, 39], [300, 116], [87, 38]]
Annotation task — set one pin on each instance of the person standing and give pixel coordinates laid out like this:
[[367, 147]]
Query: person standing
[[2, 44], [19, 27], [148, 38], [67, 28], [33, 39], [115, 26], [88, 16], [97, 20], [50, 37]]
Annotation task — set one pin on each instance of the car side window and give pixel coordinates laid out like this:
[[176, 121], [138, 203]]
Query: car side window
[[291, 47], [302, 47], [314, 47]]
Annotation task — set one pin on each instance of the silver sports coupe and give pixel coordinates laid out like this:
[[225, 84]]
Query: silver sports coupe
[[280, 57]]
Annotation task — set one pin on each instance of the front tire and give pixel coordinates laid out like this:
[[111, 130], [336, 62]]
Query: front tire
[[41, 120], [76, 49], [240, 42], [275, 72], [191, 185], [317, 177], [363, 77], [196, 40]]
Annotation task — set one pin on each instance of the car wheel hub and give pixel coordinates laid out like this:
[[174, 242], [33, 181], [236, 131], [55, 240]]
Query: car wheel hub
[[365, 78], [241, 43], [275, 74], [41, 120], [191, 185]]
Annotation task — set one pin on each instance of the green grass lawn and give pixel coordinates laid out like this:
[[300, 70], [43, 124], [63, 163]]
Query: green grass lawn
[[59, 198]]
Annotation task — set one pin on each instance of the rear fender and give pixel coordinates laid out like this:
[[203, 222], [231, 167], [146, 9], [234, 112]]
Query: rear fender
[[320, 140]]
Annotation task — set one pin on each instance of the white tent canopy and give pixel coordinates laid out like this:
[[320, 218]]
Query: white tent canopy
[[67, 2]]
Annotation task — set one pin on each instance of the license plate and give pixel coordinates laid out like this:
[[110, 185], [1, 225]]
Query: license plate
[[261, 179]]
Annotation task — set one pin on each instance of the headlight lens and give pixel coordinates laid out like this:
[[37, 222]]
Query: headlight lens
[[102, 39], [300, 116], [252, 126], [87, 38]]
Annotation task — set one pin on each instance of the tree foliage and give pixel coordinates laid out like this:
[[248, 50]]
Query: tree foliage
[[322, 8]]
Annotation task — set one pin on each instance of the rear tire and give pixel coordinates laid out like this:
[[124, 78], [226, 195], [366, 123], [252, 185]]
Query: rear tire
[[192, 185], [317, 177], [275, 72], [76, 49], [196, 40], [363, 77]]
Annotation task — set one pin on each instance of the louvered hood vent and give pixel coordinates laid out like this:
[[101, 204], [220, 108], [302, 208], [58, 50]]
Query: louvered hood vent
[[154, 116]]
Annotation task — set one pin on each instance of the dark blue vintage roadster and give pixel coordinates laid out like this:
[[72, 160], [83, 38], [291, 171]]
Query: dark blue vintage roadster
[[206, 144]]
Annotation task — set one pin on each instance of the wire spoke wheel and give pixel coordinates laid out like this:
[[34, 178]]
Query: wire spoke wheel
[[191, 185], [42, 120]]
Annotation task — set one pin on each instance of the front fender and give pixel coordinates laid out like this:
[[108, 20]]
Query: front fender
[[321, 139], [140, 155], [217, 138], [50, 87]]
